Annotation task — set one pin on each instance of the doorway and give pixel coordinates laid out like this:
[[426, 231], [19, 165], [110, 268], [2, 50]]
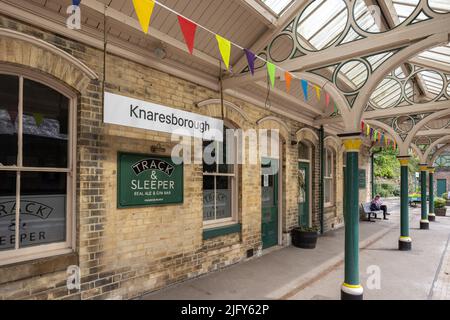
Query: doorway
[[269, 202], [304, 185], [441, 187]]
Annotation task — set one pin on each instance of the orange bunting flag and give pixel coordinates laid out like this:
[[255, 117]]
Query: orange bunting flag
[[288, 79], [317, 92], [144, 10], [225, 49]]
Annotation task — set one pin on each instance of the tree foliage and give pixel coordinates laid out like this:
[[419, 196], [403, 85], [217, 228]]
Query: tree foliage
[[386, 164]]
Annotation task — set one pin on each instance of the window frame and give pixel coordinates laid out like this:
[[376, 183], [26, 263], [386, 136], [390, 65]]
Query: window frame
[[331, 177], [214, 223], [16, 254]]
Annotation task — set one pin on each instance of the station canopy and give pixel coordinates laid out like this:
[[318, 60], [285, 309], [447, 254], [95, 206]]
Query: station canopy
[[383, 63]]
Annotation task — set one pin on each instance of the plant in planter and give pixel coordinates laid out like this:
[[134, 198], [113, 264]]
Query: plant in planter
[[304, 237], [439, 207]]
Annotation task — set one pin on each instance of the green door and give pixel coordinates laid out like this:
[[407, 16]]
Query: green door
[[441, 187], [269, 199], [303, 197]]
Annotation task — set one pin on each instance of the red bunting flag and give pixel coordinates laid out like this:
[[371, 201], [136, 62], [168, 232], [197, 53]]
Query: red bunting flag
[[362, 126], [188, 28], [288, 79]]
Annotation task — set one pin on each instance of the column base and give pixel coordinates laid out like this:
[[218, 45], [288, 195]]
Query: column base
[[351, 292], [405, 244], [424, 224], [431, 217]]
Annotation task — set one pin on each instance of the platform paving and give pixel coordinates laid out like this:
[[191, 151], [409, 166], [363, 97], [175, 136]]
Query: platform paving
[[293, 273]]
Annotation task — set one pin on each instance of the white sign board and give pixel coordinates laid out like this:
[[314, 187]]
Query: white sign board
[[136, 113]]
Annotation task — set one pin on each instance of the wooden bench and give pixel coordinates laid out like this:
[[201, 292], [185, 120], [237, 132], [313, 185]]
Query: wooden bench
[[370, 213]]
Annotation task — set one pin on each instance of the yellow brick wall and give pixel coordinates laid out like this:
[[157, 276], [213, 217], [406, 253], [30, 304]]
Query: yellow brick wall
[[126, 252]]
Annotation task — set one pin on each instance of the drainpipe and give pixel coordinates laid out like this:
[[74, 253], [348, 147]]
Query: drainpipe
[[372, 174], [321, 178]]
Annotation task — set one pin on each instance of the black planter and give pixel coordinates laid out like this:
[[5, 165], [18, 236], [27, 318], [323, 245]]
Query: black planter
[[441, 212], [304, 239]]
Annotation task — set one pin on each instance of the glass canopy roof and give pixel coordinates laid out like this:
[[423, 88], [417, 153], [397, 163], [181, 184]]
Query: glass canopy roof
[[277, 6], [323, 22]]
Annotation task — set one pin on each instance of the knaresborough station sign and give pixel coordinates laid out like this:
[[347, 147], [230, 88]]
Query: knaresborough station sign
[[136, 113], [145, 180]]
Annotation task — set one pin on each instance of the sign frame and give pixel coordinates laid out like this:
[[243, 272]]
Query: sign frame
[[147, 156], [362, 182]]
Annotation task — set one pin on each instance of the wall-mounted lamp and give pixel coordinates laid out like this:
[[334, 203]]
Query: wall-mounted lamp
[[158, 148]]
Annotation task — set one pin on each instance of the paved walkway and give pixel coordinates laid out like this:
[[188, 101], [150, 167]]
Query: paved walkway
[[293, 273]]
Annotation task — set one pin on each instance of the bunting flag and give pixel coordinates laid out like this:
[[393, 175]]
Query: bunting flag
[[188, 28], [225, 49], [367, 130], [305, 89], [76, 2], [144, 10], [362, 126], [271, 71], [12, 116], [317, 92], [38, 118], [288, 79], [327, 99], [251, 57]]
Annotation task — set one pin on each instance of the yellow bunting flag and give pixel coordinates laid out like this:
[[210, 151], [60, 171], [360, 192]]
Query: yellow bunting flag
[[288, 79], [317, 92], [367, 130], [144, 10], [271, 71], [225, 49]]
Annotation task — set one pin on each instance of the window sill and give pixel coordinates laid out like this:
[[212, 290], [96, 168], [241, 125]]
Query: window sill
[[38, 267], [221, 231]]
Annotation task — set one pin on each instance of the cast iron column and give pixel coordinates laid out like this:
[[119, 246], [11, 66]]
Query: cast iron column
[[405, 241], [424, 223], [431, 215], [351, 288]]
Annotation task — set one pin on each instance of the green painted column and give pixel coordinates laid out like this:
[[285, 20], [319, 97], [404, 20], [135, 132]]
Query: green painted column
[[351, 288], [431, 215], [424, 223], [405, 241]]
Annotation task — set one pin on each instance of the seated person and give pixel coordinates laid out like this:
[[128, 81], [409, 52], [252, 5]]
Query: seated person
[[377, 204]]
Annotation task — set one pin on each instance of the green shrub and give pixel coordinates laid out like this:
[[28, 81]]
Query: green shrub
[[439, 202], [445, 195]]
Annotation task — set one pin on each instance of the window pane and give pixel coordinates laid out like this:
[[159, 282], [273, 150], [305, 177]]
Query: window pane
[[222, 148], [9, 102], [209, 155], [42, 208], [45, 126], [303, 151], [7, 209], [223, 197], [208, 198], [327, 190]]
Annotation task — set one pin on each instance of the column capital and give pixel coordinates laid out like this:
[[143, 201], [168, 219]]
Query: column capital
[[423, 167], [431, 169], [352, 142], [404, 160]]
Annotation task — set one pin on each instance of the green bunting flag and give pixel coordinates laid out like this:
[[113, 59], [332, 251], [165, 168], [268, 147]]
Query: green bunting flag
[[271, 71]]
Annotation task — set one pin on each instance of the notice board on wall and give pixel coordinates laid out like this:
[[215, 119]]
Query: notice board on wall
[[362, 179], [148, 180]]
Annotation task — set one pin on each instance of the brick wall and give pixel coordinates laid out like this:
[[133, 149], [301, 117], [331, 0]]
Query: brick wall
[[124, 253]]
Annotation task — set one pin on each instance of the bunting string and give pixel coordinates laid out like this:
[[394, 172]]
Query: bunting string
[[377, 136], [144, 10]]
